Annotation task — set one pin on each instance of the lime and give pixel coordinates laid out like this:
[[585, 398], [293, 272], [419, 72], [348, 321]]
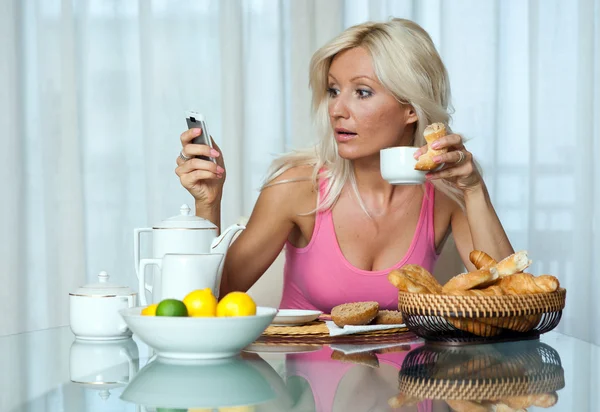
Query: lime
[[171, 307]]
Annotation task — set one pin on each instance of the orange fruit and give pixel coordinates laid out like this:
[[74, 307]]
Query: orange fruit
[[150, 310], [236, 304], [201, 303]]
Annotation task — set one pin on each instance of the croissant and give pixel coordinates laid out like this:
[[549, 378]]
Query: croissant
[[525, 283], [466, 281], [419, 274], [481, 259], [432, 133], [515, 263], [405, 284]]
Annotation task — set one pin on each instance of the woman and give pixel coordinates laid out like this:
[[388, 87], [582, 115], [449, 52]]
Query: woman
[[376, 85]]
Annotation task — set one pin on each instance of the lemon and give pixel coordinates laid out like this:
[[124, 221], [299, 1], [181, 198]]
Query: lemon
[[150, 310], [201, 302], [171, 307], [236, 304]]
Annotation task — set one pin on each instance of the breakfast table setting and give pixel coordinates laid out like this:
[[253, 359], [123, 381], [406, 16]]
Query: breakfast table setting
[[486, 340]]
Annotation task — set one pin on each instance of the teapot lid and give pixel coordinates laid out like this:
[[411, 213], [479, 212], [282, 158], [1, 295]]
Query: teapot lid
[[103, 288], [185, 220]]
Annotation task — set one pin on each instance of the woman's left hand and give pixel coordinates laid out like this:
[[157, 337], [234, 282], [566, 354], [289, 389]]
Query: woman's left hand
[[459, 168]]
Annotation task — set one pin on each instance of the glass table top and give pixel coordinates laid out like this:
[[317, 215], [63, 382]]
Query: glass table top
[[51, 371]]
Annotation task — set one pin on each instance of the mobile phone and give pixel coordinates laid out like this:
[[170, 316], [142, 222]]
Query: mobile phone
[[196, 120]]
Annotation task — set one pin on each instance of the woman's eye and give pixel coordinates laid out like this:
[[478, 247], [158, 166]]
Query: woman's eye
[[332, 92], [363, 93]]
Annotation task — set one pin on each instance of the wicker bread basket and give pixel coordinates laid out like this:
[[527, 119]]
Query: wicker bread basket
[[452, 319], [481, 373]]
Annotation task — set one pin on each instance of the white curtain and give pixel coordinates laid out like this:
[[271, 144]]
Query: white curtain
[[92, 102]]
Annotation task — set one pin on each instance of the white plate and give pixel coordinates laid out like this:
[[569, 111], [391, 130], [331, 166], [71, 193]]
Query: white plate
[[188, 338], [295, 317]]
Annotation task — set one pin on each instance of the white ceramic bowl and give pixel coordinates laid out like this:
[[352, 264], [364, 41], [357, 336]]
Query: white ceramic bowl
[[397, 166], [203, 384], [198, 338]]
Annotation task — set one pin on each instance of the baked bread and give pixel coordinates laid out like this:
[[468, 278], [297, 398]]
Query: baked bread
[[363, 358], [357, 313], [468, 406], [525, 283], [403, 399], [432, 133], [481, 259], [421, 275], [388, 317], [475, 327], [515, 263], [404, 283], [478, 279]]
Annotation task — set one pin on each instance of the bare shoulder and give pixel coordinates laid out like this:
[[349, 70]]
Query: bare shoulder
[[293, 189]]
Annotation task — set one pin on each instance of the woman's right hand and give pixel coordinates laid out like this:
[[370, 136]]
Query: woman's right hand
[[202, 178]]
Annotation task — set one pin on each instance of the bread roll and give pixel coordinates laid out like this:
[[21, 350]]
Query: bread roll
[[404, 283], [357, 313], [526, 283]]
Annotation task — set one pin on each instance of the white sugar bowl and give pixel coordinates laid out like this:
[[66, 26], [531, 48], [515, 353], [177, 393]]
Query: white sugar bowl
[[94, 310]]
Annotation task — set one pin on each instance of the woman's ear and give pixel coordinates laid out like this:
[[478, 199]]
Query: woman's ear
[[411, 115]]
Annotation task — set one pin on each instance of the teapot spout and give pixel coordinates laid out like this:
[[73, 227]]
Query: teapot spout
[[221, 244]]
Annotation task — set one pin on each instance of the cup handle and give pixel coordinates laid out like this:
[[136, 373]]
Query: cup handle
[[142, 285], [136, 246]]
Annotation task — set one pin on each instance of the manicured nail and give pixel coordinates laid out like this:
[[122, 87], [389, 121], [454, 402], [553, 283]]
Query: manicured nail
[[196, 132], [437, 159], [214, 153], [416, 155], [220, 170], [435, 145]]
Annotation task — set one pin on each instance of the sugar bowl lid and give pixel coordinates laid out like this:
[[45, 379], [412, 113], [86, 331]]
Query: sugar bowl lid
[[103, 288]]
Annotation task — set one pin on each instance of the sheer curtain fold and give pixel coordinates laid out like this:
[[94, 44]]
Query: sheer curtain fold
[[95, 95]]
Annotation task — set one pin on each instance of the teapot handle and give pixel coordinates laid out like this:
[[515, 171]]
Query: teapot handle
[[142, 285], [136, 247]]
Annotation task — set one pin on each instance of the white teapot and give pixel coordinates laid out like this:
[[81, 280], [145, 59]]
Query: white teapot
[[185, 234]]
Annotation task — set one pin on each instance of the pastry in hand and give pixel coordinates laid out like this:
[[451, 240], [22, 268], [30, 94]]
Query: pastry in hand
[[357, 313], [432, 133]]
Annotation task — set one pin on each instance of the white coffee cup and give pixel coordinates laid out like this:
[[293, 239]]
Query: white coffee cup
[[179, 275], [397, 165]]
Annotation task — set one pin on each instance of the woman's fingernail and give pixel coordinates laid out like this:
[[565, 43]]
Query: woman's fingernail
[[437, 159], [435, 145], [196, 132], [214, 153], [220, 170]]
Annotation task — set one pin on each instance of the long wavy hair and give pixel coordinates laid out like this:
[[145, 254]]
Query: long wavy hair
[[408, 65]]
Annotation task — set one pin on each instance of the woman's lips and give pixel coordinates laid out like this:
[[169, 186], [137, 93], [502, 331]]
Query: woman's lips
[[344, 136]]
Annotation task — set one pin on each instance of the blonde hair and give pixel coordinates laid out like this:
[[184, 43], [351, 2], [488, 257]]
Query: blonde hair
[[408, 65]]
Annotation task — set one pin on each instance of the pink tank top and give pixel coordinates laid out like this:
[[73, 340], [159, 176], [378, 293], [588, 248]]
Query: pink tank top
[[324, 374], [319, 277]]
